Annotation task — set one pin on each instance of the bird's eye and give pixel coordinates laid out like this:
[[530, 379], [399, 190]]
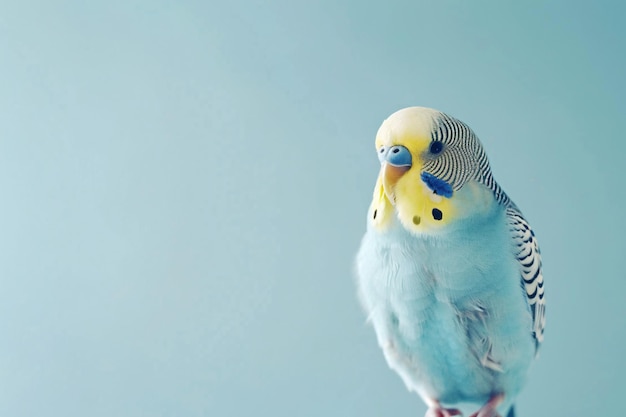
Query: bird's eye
[[436, 147]]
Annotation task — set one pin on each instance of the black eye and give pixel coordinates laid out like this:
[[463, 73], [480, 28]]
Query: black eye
[[436, 147]]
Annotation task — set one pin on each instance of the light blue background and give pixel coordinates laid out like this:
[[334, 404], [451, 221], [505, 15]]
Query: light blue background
[[184, 186]]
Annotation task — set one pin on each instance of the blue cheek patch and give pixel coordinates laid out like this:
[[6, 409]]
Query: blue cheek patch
[[439, 187]]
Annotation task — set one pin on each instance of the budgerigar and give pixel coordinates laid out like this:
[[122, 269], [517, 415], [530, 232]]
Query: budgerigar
[[449, 271]]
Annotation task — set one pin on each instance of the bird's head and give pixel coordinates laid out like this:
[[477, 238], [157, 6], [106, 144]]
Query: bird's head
[[433, 171]]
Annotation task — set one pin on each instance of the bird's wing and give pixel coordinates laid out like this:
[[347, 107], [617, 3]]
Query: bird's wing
[[529, 258]]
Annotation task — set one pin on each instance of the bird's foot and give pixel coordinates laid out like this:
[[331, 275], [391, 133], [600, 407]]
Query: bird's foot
[[489, 409], [438, 411]]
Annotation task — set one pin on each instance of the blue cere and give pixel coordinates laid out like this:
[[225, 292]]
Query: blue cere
[[399, 156], [438, 186]]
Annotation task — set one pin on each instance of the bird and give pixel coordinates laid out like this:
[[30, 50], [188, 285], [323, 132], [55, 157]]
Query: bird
[[449, 271]]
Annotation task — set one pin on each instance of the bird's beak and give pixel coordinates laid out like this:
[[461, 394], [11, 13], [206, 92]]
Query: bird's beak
[[396, 161]]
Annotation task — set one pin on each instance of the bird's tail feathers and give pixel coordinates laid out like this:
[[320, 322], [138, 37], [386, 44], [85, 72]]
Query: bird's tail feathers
[[511, 412]]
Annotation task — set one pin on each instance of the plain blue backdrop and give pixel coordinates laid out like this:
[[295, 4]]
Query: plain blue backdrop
[[184, 184]]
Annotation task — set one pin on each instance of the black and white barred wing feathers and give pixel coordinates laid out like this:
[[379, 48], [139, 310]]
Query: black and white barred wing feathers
[[529, 257]]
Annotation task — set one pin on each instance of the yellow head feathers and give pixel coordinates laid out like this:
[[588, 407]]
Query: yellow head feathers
[[427, 163], [412, 126]]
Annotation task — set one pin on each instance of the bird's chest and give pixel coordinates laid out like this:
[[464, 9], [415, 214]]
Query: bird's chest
[[429, 301], [420, 302], [432, 283]]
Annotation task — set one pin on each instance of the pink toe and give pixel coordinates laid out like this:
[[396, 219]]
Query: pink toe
[[442, 412]]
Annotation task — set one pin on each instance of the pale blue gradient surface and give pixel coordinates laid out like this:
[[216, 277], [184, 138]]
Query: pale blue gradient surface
[[184, 186]]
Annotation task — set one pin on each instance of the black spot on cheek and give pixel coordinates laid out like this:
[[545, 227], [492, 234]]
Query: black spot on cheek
[[437, 214], [375, 213]]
